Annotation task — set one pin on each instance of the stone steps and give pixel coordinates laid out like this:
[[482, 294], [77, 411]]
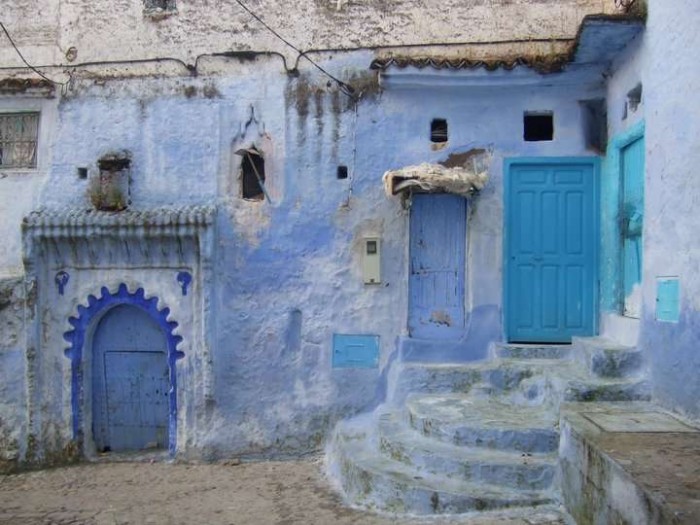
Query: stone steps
[[465, 421], [604, 358], [529, 351], [495, 467], [462, 437], [372, 479]]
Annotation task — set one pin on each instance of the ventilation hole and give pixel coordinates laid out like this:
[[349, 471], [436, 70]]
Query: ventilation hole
[[538, 127], [634, 97], [342, 172], [252, 175], [82, 173], [438, 130]]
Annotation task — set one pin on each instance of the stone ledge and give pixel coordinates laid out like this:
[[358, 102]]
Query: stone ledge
[[648, 473]]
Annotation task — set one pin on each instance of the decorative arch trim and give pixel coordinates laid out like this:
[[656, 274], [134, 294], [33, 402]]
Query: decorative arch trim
[[85, 320]]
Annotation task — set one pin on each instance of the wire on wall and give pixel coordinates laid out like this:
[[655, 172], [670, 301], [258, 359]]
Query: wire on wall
[[20, 55], [345, 88]]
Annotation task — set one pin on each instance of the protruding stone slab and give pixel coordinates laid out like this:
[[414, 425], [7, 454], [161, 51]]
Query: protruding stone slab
[[524, 471], [528, 351], [605, 358], [489, 423]]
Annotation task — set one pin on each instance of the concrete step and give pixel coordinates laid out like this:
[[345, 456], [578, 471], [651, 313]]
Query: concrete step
[[490, 423], [529, 351], [605, 358], [607, 389], [518, 470], [373, 480], [498, 375]]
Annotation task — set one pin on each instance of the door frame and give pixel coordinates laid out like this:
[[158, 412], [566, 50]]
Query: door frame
[[79, 339], [614, 162], [592, 162]]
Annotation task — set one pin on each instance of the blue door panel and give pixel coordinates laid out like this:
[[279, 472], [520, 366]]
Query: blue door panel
[[632, 158], [550, 250], [436, 280], [130, 381]]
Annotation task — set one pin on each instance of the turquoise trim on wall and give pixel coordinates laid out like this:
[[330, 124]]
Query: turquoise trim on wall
[[610, 234]]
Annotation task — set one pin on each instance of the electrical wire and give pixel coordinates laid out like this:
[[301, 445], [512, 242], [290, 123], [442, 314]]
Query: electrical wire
[[345, 88], [19, 53]]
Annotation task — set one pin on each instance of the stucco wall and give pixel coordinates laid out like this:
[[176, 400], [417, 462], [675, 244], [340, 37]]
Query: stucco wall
[[661, 61], [672, 193], [119, 30]]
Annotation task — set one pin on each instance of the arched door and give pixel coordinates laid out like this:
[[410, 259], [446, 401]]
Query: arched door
[[130, 379]]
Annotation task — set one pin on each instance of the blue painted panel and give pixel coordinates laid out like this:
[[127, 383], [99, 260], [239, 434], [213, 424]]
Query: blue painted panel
[[668, 304], [632, 214], [130, 381], [436, 280], [355, 351], [551, 249]]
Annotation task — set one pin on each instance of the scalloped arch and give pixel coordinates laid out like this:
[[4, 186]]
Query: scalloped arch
[[86, 319]]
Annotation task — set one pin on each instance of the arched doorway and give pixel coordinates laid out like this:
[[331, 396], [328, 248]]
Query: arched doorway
[[130, 381]]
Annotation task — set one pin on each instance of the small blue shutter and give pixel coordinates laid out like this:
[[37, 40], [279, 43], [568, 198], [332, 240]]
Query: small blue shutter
[[355, 351]]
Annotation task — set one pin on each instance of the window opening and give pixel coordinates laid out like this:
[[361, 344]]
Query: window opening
[[438, 130], [538, 127], [82, 173], [634, 99], [252, 174], [18, 139], [164, 5], [342, 172]]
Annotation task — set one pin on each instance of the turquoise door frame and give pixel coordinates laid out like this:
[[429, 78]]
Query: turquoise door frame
[[550, 271]]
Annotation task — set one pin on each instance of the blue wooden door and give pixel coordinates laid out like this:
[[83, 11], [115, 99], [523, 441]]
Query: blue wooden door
[[551, 251], [436, 280], [632, 214], [130, 382]]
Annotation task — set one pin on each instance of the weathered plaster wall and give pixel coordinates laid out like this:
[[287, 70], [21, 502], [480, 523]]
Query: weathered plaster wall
[[12, 386], [659, 59], [288, 272], [20, 189], [623, 122], [46, 29], [671, 83]]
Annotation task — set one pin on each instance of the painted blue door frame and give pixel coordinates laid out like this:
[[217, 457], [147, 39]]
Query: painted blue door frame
[[77, 338], [550, 248], [130, 381], [438, 225]]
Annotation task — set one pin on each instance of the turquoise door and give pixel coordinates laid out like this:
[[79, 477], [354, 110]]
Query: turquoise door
[[130, 382], [632, 159], [550, 250], [436, 281]]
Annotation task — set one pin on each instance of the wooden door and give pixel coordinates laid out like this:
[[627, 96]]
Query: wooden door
[[436, 280], [130, 382], [551, 250]]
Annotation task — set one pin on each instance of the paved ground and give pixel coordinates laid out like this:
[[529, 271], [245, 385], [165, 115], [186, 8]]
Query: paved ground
[[275, 493]]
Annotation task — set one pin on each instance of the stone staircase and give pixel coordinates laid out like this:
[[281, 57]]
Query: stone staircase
[[456, 438]]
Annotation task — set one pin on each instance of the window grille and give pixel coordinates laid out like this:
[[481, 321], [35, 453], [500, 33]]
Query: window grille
[[18, 140]]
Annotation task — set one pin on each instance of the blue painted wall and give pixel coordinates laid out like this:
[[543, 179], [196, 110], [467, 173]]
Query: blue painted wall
[[287, 273], [666, 68]]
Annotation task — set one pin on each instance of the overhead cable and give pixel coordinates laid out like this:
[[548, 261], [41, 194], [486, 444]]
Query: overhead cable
[[19, 53]]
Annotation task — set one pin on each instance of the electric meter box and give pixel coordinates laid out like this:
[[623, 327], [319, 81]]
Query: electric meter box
[[371, 261]]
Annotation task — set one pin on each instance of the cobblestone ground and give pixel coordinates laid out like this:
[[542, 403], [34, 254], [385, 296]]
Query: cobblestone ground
[[279, 493]]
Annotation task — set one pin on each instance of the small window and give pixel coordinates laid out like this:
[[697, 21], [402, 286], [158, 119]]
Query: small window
[[18, 140], [342, 172], [159, 5], [438, 130], [538, 127], [252, 174]]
